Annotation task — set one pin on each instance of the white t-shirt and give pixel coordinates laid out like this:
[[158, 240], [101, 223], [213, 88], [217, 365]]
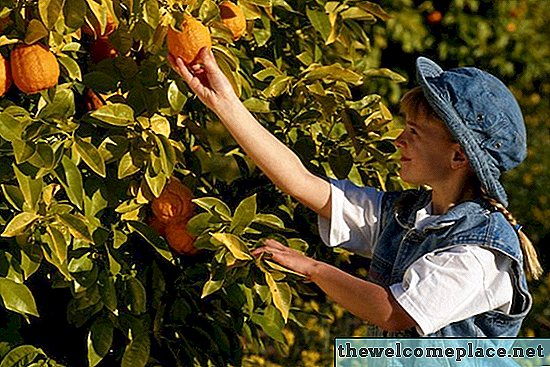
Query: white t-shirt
[[438, 288]]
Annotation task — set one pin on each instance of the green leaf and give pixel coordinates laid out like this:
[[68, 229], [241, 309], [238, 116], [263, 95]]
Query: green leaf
[[19, 224], [257, 105], [126, 166], [160, 125], [30, 187], [374, 9], [332, 72], [17, 297], [71, 66], [43, 158], [35, 32], [167, 154], [108, 291], [76, 226], [90, 155], [341, 162], [269, 220], [70, 178], [99, 81], [278, 86], [58, 245], [113, 148], [270, 326], [210, 287], [138, 297], [214, 205], [21, 356], [155, 183], [175, 97], [244, 215], [14, 196], [50, 11], [62, 106], [151, 14], [137, 352], [234, 244], [117, 114], [320, 21], [100, 339], [281, 295], [81, 264], [385, 73], [153, 238], [22, 150], [10, 127], [74, 13]]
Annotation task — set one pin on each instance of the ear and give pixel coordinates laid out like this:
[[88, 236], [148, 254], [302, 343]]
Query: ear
[[459, 159]]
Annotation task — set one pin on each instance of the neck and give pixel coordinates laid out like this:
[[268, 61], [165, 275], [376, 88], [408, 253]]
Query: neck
[[447, 196]]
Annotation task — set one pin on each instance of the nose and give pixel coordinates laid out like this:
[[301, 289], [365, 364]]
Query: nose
[[399, 142]]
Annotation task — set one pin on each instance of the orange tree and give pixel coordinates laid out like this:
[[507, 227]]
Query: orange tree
[[85, 273]]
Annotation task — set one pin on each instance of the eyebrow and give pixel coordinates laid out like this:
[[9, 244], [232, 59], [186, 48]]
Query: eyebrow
[[413, 124]]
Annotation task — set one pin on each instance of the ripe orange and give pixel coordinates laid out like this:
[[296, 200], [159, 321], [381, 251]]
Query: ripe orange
[[187, 43], [233, 18], [179, 239], [102, 49], [434, 17], [5, 75], [92, 101], [157, 225], [174, 203], [34, 68]]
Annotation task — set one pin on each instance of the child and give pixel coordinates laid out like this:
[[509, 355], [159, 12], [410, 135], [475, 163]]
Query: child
[[445, 262]]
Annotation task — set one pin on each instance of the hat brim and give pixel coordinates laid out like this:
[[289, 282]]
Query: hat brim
[[479, 159]]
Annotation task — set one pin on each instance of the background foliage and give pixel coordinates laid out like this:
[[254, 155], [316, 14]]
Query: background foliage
[[321, 75]]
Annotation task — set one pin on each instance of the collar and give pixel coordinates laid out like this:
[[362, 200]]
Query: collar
[[407, 217]]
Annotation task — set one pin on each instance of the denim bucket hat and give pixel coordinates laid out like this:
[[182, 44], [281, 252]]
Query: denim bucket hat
[[483, 116]]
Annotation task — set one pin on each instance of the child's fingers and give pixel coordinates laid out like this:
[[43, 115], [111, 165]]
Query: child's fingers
[[269, 242]]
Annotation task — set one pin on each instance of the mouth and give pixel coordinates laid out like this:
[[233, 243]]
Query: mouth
[[404, 159]]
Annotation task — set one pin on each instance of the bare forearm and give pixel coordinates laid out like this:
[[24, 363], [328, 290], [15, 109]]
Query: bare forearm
[[281, 165], [366, 300]]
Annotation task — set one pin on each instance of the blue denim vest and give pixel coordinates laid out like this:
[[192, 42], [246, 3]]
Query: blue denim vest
[[468, 223]]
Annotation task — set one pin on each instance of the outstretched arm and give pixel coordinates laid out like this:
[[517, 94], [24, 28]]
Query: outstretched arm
[[277, 161], [364, 299]]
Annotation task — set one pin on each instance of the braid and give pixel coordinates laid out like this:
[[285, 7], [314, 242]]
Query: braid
[[533, 267]]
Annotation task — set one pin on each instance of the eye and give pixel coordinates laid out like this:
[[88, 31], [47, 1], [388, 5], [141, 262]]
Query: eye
[[412, 130]]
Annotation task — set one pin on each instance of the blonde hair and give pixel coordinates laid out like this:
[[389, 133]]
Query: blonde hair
[[532, 264], [414, 103]]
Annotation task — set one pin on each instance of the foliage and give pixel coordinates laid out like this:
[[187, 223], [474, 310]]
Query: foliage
[[78, 175]]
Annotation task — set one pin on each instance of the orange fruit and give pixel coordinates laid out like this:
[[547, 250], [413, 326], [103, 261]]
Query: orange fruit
[[34, 68], [102, 49], [92, 101], [157, 225], [174, 203], [186, 44], [233, 18], [434, 17], [5, 75], [179, 239]]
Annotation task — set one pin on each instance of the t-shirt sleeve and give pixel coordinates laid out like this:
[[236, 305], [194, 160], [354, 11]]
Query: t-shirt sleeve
[[355, 217], [452, 285]]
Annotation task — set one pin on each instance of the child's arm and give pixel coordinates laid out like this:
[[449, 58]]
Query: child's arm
[[364, 299], [277, 161]]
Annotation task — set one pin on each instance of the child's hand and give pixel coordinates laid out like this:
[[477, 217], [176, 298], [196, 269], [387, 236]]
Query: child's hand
[[287, 257], [207, 80]]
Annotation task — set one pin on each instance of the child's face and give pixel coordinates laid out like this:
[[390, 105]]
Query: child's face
[[427, 150]]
